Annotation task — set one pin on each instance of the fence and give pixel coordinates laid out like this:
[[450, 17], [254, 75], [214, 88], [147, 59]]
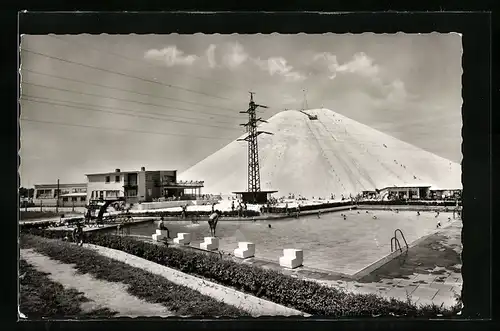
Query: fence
[[73, 206]]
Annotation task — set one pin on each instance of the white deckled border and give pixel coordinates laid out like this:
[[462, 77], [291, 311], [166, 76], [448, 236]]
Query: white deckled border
[[252, 304]]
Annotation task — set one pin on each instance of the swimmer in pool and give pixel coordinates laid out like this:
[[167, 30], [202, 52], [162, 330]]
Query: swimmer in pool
[[374, 217], [269, 226], [418, 213], [319, 213], [438, 225]]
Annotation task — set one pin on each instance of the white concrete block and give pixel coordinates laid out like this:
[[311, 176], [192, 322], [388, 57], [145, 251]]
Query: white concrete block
[[292, 258], [210, 244], [158, 237], [245, 250], [158, 231], [183, 239]]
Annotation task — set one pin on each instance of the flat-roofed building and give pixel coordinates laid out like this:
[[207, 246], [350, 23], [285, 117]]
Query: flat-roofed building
[[140, 186], [69, 194]]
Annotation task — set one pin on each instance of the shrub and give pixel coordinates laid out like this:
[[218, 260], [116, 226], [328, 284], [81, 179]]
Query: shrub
[[306, 296]]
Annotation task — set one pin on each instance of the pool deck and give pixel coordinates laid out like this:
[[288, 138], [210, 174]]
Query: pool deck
[[429, 272]]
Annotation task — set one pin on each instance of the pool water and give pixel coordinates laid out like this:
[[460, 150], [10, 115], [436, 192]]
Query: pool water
[[329, 242]]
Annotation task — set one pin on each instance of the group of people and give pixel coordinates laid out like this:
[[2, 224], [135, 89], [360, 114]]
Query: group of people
[[242, 208]]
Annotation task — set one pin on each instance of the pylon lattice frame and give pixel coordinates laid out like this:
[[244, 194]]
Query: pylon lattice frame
[[253, 149]]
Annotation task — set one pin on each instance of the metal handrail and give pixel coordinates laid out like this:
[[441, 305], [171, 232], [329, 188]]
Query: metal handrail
[[394, 244], [402, 235]]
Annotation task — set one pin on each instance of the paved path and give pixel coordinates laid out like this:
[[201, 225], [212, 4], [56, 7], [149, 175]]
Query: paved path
[[101, 293], [252, 304]]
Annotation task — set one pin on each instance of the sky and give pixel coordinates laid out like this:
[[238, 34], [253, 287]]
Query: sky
[[94, 103]]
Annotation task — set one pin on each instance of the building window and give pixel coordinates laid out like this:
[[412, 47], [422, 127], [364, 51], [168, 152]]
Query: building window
[[65, 199], [108, 179], [117, 179], [82, 199], [74, 199]]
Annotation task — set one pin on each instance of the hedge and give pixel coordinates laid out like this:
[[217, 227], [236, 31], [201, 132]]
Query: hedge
[[306, 296]]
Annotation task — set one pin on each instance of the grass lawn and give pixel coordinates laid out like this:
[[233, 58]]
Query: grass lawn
[[41, 297], [142, 284]]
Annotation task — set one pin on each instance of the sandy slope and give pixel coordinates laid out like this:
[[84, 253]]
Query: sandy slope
[[333, 154]]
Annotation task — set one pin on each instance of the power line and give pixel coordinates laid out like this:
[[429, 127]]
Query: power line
[[121, 99], [88, 45], [125, 75], [124, 90], [131, 115], [118, 129], [124, 109]]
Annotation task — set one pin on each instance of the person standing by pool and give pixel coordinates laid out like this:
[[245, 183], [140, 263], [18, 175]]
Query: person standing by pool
[[298, 210], [319, 213], [232, 206], [184, 211], [286, 208], [212, 221]]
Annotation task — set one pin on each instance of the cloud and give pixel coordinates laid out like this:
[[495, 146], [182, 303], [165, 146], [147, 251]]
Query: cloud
[[210, 53], [397, 92], [171, 56], [279, 66], [351, 78], [235, 57], [331, 62], [360, 64]]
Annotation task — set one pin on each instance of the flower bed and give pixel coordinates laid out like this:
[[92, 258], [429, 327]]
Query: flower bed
[[302, 295]]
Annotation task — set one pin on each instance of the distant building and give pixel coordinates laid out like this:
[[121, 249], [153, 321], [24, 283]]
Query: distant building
[[141, 186], [406, 192], [69, 194]]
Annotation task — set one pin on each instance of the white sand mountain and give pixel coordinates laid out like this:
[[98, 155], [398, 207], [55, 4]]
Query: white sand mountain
[[332, 154]]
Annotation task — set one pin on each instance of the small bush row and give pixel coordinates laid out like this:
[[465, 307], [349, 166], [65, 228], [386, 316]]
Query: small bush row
[[305, 296]]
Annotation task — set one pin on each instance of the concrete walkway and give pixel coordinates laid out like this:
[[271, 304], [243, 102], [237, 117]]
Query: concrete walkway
[[429, 273], [252, 304], [103, 294]]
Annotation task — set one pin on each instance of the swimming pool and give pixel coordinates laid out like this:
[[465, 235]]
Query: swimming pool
[[329, 242]]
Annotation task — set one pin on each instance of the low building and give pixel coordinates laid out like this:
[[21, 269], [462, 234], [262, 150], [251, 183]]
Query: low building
[[69, 194], [445, 194], [405, 192], [141, 186]]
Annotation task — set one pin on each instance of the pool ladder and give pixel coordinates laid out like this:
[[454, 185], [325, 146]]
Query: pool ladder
[[395, 244]]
